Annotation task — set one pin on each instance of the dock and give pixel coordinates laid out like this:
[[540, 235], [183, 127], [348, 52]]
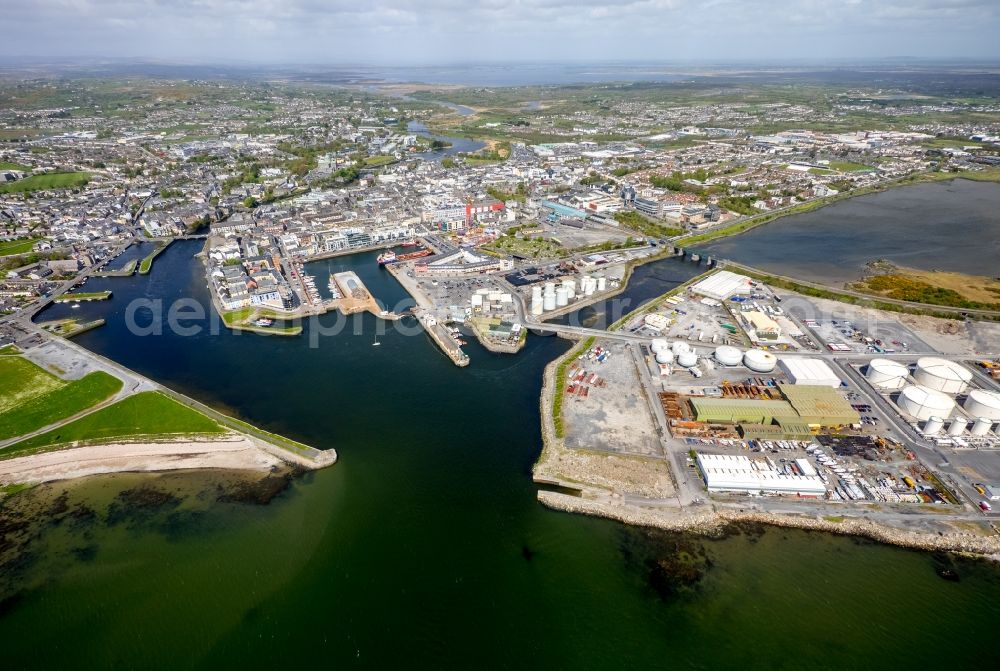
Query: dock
[[355, 297], [438, 333]]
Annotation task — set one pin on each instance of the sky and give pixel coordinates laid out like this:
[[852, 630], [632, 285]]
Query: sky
[[404, 32]]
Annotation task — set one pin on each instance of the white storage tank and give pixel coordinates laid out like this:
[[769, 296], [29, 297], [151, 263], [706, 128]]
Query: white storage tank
[[562, 297], [941, 375], [981, 403], [957, 426], [886, 374], [658, 345], [728, 356], [933, 426], [664, 356], [550, 287], [687, 359], [759, 361], [587, 286], [680, 347], [923, 403], [570, 286], [549, 301], [982, 426], [602, 283]]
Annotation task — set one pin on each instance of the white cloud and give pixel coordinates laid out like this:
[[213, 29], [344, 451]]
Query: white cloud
[[404, 31]]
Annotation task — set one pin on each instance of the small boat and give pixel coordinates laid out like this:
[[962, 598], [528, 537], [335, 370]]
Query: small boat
[[376, 343], [263, 321], [75, 305]]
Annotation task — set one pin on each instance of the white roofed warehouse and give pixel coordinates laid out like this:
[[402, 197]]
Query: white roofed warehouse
[[735, 473], [722, 285], [802, 370]]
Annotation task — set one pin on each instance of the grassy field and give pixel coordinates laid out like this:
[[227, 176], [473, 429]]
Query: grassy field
[[149, 415], [20, 246], [848, 166], [55, 180], [242, 320], [375, 161], [5, 165], [31, 397], [147, 262], [928, 288]]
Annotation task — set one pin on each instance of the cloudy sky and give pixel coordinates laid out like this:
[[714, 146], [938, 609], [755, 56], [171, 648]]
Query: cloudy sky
[[402, 32]]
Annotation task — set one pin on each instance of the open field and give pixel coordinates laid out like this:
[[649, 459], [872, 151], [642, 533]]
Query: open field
[[145, 415], [20, 246], [935, 288], [55, 180], [6, 165], [242, 320], [31, 398]]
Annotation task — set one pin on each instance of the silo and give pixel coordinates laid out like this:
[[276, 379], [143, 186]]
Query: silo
[[562, 297], [923, 403], [728, 356], [957, 426], [933, 425], [665, 356], [536, 300], [549, 301], [983, 404], [982, 426], [941, 375], [687, 359], [886, 374], [759, 361], [602, 283]]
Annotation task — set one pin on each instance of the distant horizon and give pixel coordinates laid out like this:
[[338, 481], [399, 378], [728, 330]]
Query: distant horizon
[[435, 32]]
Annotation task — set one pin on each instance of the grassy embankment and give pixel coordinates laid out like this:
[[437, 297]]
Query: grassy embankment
[[147, 262], [147, 416], [19, 246], [83, 296], [53, 180], [31, 397], [68, 328], [243, 320]]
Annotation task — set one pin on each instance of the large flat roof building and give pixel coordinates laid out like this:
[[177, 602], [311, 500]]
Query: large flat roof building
[[739, 410], [735, 473], [804, 370], [722, 285], [819, 405]]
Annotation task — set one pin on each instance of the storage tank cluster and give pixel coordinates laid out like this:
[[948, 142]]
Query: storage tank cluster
[[941, 375], [549, 296], [923, 402], [886, 374]]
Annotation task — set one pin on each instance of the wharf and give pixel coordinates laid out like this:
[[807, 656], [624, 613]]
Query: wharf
[[438, 333], [355, 297]]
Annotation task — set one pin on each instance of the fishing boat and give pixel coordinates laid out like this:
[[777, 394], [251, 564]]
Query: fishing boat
[[386, 257]]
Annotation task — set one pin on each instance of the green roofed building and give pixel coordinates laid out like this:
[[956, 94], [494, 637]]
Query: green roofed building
[[819, 405], [740, 411]]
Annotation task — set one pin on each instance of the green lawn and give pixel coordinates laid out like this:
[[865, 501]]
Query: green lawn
[[66, 401], [148, 414], [19, 246], [372, 161], [55, 180], [83, 296], [4, 165], [31, 397], [848, 166]]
